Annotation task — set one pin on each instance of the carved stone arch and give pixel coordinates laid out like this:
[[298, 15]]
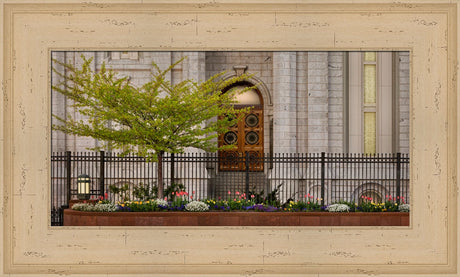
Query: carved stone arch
[[266, 96], [370, 188], [248, 136], [261, 87]]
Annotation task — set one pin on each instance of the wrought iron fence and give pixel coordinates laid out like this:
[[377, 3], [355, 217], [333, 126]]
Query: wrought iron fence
[[326, 177]]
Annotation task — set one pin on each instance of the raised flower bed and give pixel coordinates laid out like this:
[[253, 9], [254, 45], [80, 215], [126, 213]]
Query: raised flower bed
[[80, 218], [236, 212]]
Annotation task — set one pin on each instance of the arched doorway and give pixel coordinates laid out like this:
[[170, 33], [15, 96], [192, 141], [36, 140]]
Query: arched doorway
[[247, 135]]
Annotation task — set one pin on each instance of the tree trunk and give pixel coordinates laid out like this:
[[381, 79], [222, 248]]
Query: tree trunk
[[160, 175]]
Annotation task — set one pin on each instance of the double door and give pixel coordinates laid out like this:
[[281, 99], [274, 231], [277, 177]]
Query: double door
[[247, 138]]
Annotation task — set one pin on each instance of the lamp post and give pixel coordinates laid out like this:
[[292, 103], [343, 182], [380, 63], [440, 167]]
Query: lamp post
[[83, 182]]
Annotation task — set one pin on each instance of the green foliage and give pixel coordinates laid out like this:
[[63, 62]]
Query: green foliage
[[388, 206], [122, 191], [159, 117], [235, 204], [270, 199], [140, 206], [145, 192], [301, 206]]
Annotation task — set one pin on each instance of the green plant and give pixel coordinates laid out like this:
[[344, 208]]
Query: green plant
[[271, 198], [122, 191], [140, 206], [180, 199], [368, 205], [145, 192], [302, 206]]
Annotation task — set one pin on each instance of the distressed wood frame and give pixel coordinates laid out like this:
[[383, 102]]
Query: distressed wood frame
[[428, 29]]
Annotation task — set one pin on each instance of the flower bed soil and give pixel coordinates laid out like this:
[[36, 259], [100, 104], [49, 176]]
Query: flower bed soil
[[78, 218]]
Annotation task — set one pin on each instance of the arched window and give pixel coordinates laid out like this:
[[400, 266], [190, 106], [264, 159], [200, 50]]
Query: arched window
[[247, 98], [372, 195]]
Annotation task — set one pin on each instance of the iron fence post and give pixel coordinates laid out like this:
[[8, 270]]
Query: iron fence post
[[247, 174], [68, 160], [102, 174], [398, 177], [172, 168], [323, 175]]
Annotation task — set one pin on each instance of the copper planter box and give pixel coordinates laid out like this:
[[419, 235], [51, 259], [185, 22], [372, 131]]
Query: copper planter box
[[78, 218]]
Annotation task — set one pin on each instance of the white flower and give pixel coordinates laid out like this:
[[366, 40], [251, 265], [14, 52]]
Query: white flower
[[161, 202], [81, 207], [338, 208], [196, 206], [404, 208], [85, 207]]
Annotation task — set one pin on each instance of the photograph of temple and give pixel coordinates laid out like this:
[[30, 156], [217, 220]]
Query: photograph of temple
[[330, 124]]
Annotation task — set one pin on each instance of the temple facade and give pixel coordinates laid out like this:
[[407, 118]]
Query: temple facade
[[309, 102], [303, 102]]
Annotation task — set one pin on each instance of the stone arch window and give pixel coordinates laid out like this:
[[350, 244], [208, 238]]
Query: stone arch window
[[373, 190], [373, 195], [248, 98]]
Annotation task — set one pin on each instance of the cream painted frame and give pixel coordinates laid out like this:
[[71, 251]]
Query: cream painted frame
[[428, 29]]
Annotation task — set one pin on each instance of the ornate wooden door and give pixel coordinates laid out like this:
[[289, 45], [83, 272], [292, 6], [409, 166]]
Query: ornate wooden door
[[247, 136]]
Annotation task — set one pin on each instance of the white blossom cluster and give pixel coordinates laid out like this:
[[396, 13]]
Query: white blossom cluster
[[161, 202], [338, 208], [404, 208], [196, 206], [98, 207]]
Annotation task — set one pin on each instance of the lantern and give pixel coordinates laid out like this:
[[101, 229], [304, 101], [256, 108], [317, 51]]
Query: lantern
[[83, 182]]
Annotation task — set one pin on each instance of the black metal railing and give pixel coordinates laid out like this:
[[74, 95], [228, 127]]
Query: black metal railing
[[328, 177]]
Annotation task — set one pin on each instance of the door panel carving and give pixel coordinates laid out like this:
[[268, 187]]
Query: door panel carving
[[247, 137]]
